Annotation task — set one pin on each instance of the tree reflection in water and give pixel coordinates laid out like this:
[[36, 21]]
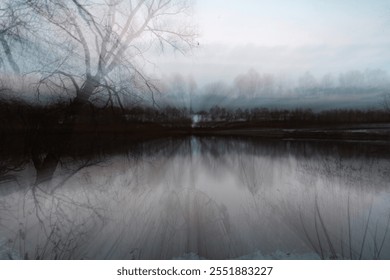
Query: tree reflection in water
[[216, 198]]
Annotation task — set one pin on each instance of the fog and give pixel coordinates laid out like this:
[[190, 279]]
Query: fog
[[281, 37], [353, 89], [313, 54], [160, 129]]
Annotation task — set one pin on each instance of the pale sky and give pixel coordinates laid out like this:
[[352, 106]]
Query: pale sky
[[285, 37]]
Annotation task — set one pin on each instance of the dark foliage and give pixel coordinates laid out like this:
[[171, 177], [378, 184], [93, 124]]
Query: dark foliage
[[287, 118]]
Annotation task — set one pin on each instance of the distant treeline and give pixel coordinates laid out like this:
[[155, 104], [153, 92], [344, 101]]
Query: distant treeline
[[16, 116], [293, 117]]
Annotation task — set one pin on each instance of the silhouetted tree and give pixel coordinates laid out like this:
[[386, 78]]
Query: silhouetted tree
[[96, 46]]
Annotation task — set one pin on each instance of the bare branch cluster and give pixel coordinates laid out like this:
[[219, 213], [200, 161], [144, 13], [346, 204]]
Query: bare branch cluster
[[101, 39]]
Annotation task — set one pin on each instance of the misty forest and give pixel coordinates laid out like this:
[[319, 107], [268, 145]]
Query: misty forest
[[179, 129]]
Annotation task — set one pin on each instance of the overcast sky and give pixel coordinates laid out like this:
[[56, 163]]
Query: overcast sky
[[285, 37]]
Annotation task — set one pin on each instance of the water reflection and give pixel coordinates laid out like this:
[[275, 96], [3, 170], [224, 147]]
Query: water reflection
[[214, 198]]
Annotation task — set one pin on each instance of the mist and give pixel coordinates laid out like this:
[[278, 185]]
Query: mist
[[353, 89], [176, 129]]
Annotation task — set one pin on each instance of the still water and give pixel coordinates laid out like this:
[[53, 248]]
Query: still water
[[203, 198]]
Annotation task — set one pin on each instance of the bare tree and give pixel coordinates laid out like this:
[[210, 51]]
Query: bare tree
[[307, 82], [94, 45], [248, 84], [89, 49]]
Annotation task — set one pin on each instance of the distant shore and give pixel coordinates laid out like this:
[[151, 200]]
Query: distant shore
[[68, 123], [356, 132]]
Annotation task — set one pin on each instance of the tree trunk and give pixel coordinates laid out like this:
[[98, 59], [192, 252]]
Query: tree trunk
[[46, 155], [45, 167]]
